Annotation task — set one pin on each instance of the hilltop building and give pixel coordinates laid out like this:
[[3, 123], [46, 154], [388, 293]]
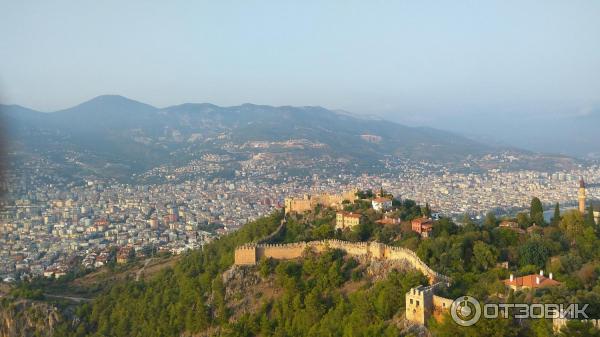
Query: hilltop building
[[532, 281], [381, 204], [388, 221], [124, 254], [309, 202], [512, 225], [345, 220], [423, 226]]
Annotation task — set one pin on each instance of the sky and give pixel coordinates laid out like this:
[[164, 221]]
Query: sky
[[421, 62]]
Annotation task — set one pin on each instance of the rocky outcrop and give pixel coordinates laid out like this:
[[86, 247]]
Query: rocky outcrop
[[28, 318], [246, 290]]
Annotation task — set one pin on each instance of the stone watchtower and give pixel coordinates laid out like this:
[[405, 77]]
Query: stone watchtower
[[245, 255], [419, 304], [581, 196]]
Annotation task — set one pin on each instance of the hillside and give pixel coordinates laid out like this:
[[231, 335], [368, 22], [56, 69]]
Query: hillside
[[116, 136], [336, 294]]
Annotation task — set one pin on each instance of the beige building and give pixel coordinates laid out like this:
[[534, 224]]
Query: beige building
[[345, 220], [309, 202], [381, 204], [422, 304]]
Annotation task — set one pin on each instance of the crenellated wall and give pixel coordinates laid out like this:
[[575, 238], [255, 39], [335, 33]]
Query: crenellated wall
[[245, 255], [252, 253]]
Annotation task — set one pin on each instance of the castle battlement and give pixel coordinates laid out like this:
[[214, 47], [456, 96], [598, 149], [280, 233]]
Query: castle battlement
[[309, 202], [421, 302], [250, 254]]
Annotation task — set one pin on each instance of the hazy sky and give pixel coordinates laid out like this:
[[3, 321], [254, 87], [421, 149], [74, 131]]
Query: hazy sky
[[415, 60]]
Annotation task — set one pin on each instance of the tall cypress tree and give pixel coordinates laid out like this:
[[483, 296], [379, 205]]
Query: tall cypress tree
[[536, 213], [556, 217], [427, 211], [589, 217]]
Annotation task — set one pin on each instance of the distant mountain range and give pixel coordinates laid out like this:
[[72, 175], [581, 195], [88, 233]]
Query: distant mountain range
[[572, 134], [136, 136], [577, 135]]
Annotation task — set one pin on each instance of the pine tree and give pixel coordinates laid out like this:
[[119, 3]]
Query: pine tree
[[556, 217]]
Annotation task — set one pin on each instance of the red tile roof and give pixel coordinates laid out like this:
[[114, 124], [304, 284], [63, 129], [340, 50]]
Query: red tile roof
[[422, 221], [530, 281]]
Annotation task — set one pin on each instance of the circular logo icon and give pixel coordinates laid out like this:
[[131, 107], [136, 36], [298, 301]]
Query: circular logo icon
[[465, 311]]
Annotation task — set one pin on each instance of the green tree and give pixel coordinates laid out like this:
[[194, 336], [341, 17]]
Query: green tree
[[490, 220], [427, 211], [572, 224], [540, 328], [536, 212], [523, 220], [484, 256], [556, 217], [533, 252], [587, 243], [577, 328], [589, 216]]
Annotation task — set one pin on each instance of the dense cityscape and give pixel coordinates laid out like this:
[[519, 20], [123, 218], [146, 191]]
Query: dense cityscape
[[49, 228]]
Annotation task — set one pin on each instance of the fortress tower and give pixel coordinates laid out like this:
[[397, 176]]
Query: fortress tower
[[419, 304], [581, 196]]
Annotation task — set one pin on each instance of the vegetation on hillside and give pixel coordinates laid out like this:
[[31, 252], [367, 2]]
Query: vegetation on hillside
[[190, 298], [312, 303], [186, 298]]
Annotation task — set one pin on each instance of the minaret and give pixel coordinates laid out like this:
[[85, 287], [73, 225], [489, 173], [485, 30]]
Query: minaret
[[581, 196]]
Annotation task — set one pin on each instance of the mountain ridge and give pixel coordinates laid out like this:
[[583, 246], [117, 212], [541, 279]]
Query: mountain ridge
[[118, 131]]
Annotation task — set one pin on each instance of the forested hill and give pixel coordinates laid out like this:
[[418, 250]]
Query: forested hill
[[333, 294]]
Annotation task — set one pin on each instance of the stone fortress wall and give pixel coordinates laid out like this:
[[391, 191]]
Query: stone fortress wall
[[309, 202], [250, 254], [421, 302]]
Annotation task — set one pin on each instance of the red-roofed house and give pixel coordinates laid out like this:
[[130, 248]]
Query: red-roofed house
[[532, 281], [423, 226]]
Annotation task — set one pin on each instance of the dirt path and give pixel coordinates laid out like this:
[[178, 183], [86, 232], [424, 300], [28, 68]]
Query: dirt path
[[139, 272], [71, 298]]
